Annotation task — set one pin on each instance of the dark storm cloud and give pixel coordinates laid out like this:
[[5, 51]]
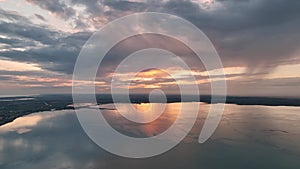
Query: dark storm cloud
[[57, 7], [15, 43], [29, 31], [260, 34], [127, 6], [22, 73], [40, 17], [12, 16], [5, 78], [60, 56], [254, 33], [53, 50], [19, 31]]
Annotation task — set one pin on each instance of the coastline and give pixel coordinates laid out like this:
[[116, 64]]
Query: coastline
[[14, 107]]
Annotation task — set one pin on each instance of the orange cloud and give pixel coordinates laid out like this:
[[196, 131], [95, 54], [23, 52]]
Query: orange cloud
[[8, 65]]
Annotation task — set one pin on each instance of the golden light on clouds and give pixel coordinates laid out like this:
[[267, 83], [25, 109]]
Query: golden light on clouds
[[149, 79], [145, 86], [285, 71], [154, 78], [151, 74], [8, 65]]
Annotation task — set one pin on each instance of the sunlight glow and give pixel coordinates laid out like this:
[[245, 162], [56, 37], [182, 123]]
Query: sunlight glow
[[285, 71], [8, 65]]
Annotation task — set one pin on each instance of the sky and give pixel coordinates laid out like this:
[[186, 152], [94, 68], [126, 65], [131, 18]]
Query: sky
[[257, 40]]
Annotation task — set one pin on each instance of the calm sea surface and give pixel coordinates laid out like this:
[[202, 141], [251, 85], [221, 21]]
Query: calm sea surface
[[256, 137]]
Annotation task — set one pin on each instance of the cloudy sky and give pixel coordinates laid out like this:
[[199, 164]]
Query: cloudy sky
[[258, 42]]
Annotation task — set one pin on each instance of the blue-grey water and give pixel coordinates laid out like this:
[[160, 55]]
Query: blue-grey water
[[253, 137]]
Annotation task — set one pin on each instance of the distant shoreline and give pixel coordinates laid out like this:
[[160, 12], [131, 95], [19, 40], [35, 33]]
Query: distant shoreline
[[14, 107]]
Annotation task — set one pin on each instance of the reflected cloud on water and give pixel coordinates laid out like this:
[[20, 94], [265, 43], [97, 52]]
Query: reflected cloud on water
[[247, 137], [24, 124]]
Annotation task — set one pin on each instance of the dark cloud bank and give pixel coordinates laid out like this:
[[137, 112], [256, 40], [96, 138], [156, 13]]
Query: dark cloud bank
[[259, 34]]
